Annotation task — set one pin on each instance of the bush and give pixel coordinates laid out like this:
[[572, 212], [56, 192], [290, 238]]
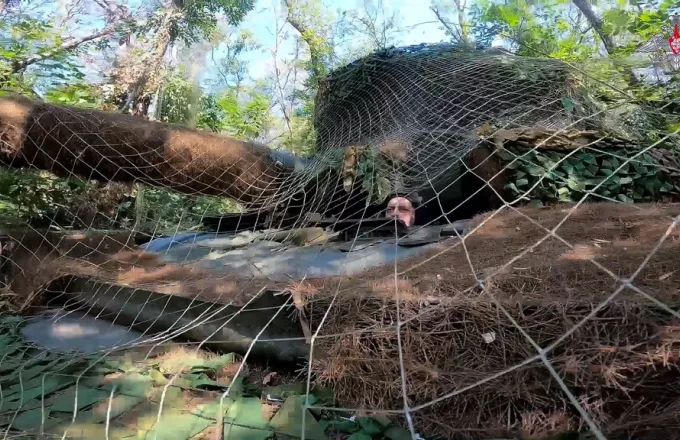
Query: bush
[[551, 176]]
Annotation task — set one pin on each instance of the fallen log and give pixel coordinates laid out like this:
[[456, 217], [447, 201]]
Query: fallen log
[[115, 147], [262, 323]]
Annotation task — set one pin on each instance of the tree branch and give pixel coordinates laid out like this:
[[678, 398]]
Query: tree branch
[[596, 23], [455, 34], [64, 47], [315, 58]]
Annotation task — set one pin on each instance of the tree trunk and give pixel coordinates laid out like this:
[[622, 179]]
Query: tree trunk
[[596, 23], [137, 98], [316, 58], [113, 147]]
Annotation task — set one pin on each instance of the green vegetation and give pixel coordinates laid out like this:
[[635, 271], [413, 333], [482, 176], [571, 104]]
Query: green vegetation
[[552, 176]]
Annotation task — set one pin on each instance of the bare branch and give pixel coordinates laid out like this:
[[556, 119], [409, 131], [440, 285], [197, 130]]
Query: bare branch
[[277, 77], [596, 23], [455, 33]]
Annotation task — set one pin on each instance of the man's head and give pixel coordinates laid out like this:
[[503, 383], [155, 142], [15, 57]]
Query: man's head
[[402, 209]]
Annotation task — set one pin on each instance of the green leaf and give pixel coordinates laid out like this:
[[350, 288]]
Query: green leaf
[[86, 396], [588, 158], [52, 384], [236, 432], [568, 104], [361, 435], [176, 424], [346, 426], [567, 167], [370, 426], [641, 170], [28, 375], [613, 181], [30, 420], [576, 186], [130, 384], [157, 377], [624, 198], [247, 411], [522, 182], [397, 433], [666, 187], [120, 404], [288, 420], [505, 155], [511, 186], [513, 165], [536, 171], [625, 180], [652, 185], [594, 182]]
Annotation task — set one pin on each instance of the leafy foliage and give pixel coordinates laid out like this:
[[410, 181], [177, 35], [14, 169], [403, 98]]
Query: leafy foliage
[[23, 37], [301, 138], [179, 99], [372, 182], [198, 18], [247, 116], [31, 195], [552, 176], [41, 199], [538, 29], [78, 94], [160, 209]]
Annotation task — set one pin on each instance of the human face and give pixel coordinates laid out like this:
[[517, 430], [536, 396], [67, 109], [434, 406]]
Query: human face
[[402, 209]]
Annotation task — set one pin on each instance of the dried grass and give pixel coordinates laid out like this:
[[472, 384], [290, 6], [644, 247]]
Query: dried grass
[[621, 365]]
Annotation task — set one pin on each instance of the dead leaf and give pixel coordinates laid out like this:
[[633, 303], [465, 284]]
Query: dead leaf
[[268, 378], [666, 275]]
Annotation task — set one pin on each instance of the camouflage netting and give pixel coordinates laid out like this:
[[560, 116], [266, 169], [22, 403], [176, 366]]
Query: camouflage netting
[[412, 115], [423, 108], [470, 312], [532, 321]]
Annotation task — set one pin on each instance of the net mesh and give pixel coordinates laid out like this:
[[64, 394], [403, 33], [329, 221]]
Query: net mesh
[[312, 314]]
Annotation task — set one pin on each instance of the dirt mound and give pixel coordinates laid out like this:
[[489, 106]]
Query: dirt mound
[[473, 309]]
